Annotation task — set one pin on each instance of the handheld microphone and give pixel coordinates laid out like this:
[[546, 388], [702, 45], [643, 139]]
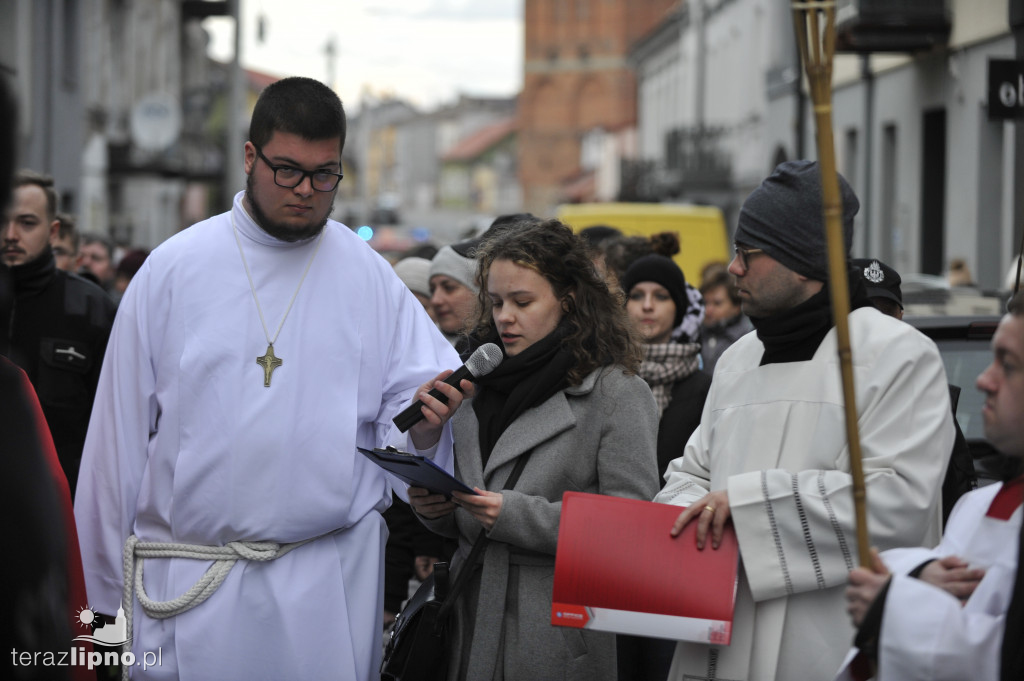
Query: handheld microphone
[[483, 361]]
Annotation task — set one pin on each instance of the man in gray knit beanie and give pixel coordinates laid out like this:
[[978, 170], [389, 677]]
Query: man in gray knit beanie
[[782, 219], [770, 459]]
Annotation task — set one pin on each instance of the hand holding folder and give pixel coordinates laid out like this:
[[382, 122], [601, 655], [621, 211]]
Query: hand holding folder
[[618, 569]]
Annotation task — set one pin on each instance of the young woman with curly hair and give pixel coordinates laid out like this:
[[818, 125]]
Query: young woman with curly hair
[[568, 397]]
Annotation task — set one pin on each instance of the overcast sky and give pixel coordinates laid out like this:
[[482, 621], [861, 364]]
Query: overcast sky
[[425, 51]]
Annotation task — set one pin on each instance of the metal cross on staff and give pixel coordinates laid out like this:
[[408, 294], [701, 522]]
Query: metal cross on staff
[[815, 22]]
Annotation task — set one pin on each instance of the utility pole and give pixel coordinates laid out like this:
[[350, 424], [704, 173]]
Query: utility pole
[[868, 78], [330, 51], [234, 170]]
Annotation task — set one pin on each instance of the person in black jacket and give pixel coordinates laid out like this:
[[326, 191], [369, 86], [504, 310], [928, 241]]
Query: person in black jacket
[[657, 301], [56, 324], [883, 287]]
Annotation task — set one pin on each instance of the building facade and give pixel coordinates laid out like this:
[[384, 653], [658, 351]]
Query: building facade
[[116, 99], [705, 79], [721, 102], [935, 173], [479, 172], [576, 79]]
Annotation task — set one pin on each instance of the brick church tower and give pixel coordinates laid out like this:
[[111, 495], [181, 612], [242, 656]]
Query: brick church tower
[[576, 78]]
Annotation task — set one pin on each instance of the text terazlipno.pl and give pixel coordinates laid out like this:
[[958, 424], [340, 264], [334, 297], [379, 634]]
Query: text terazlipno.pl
[[78, 657]]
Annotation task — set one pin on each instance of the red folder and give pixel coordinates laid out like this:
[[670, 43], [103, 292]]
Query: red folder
[[618, 569]]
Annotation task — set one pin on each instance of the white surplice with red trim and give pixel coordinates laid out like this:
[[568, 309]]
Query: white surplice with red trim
[[928, 634]]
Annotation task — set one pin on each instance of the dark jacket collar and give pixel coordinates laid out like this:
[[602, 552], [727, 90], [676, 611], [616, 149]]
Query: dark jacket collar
[[35, 275]]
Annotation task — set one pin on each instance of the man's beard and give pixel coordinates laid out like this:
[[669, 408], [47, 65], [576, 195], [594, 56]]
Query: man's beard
[[280, 230]]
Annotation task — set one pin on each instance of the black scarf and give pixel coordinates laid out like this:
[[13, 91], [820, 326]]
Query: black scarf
[[520, 383], [795, 334]]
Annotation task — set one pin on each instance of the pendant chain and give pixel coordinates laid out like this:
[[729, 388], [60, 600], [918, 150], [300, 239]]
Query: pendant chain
[[252, 286]]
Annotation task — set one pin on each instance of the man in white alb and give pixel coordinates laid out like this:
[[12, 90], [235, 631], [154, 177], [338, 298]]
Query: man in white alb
[[770, 454], [251, 354]]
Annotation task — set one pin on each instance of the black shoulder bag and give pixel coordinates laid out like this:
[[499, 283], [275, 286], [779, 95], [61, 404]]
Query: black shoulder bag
[[419, 645]]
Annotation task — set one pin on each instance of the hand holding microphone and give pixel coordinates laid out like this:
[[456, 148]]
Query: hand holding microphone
[[484, 360]]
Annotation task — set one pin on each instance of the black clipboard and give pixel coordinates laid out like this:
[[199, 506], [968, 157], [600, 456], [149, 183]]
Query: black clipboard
[[416, 470]]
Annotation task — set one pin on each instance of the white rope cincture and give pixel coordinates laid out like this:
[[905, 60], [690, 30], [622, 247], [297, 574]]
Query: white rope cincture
[[223, 557]]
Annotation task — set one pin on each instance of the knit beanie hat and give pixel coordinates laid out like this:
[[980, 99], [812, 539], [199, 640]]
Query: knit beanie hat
[[457, 261], [783, 217], [661, 270], [415, 273]]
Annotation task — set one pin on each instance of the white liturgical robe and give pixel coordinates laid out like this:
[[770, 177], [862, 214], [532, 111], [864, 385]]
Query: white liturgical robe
[[186, 444], [929, 634], [774, 437]]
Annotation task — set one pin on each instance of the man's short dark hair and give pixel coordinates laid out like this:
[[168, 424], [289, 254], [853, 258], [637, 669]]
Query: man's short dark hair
[[93, 238], [886, 306], [299, 106], [722, 279], [595, 235], [66, 228], [24, 178]]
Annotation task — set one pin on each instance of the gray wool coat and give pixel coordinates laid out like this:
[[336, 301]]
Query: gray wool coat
[[597, 437]]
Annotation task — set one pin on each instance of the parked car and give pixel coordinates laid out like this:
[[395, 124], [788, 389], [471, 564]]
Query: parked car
[[931, 295], [965, 346]]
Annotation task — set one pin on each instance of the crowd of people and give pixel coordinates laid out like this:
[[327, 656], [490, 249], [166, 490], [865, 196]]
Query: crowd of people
[[206, 418]]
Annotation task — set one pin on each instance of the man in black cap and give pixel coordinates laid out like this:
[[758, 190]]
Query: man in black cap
[[882, 285], [771, 453]]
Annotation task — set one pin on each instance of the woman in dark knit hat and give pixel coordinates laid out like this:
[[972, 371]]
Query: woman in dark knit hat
[[656, 301]]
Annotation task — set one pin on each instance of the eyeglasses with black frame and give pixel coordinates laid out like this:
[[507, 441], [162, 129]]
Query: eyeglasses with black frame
[[744, 254], [290, 177]]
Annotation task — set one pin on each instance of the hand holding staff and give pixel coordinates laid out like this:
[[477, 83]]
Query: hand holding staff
[[817, 45]]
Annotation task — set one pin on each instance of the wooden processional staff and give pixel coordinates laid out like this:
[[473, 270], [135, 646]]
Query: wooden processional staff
[[815, 22]]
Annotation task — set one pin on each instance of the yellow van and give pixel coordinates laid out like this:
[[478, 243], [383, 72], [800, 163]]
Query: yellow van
[[701, 229]]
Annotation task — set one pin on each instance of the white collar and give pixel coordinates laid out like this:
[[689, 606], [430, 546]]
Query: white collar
[[250, 231]]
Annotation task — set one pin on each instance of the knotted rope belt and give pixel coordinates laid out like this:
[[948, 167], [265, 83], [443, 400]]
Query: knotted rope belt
[[223, 557]]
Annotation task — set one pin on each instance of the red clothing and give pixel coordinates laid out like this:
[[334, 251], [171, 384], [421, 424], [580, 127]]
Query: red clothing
[[26, 435]]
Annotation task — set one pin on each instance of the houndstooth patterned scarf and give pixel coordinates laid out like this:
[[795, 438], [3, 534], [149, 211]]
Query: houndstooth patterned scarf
[[666, 363]]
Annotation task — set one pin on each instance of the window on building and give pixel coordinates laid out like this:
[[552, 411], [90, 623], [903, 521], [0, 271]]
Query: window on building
[[69, 38], [850, 157], [933, 191], [888, 206]]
